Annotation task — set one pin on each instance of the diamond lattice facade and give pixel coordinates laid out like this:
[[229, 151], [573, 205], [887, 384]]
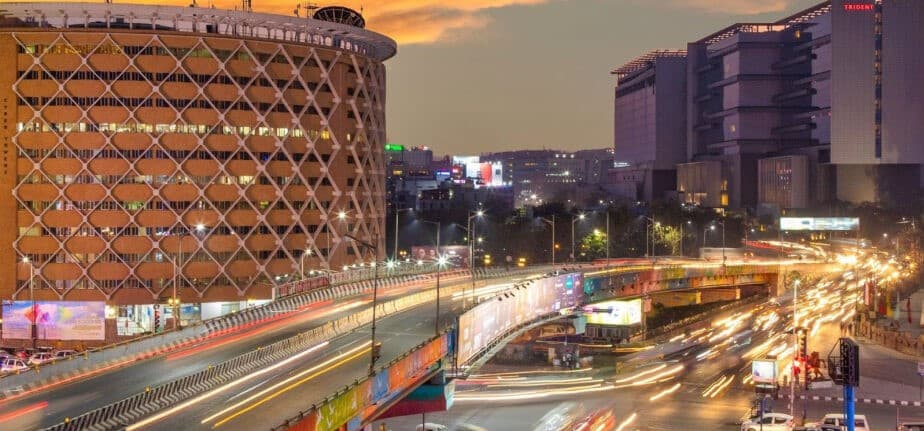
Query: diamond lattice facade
[[240, 147]]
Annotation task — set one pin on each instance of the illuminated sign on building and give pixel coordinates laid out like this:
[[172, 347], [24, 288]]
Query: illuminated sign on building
[[819, 223], [857, 6], [394, 147]]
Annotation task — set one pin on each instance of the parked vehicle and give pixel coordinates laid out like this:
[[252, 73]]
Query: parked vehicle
[[11, 365], [430, 426], [836, 420], [41, 358], [62, 354], [769, 422], [911, 426]]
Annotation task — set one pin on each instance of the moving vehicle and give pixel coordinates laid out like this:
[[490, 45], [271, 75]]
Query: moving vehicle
[[768, 422], [11, 365], [911, 426], [837, 420], [430, 426]]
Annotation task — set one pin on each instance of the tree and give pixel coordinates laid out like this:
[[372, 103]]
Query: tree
[[667, 237], [593, 246]]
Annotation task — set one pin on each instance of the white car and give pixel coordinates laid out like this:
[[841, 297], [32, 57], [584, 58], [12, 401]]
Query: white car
[[430, 426], [62, 354], [769, 422], [41, 358], [11, 365], [836, 420]]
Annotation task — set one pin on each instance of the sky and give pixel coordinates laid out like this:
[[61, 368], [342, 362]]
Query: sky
[[475, 76]]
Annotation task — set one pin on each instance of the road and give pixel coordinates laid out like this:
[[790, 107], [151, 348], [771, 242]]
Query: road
[[52, 406], [697, 381]]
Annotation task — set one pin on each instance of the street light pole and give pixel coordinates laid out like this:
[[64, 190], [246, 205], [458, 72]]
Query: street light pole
[[394, 255], [26, 260], [471, 250], [573, 221], [375, 296], [607, 237], [439, 263], [551, 222]]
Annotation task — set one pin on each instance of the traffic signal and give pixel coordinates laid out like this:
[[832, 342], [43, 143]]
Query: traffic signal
[[156, 319]]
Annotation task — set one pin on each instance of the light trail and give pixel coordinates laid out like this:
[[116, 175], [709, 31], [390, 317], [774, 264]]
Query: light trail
[[665, 392], [216, 391], [313, 372]]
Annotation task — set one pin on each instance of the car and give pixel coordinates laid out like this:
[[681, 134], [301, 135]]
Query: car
[[911, 426], [768, 422], [41, 358], [430, 426], [62, 354], [836, 420], [11, 365], [471, 427]]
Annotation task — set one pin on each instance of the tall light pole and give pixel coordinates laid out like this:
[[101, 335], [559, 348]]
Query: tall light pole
[[551, 222], [471, 246], [651, 234], [394, 255], [607, 236], [440, 260], [301, 261], [681, 235], [573, 221], [723, 238], [375, 296], [26, 260]]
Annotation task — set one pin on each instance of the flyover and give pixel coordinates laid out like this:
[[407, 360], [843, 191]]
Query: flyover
[[341, 392]]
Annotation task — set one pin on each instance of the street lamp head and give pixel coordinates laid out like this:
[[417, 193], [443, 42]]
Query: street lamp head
[[419, 262], [582, 217], [480, 213], [308, 251], [712, 227], [345, 267], [200, 227], [441, 261], [390, 264], [341, 215], [657, 224], [25, 259]]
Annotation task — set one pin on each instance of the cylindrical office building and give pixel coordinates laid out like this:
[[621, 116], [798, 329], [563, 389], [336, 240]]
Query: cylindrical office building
[[239, 147]]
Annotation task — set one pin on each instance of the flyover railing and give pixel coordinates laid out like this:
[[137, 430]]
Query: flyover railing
[[123, 353], [148, 402]]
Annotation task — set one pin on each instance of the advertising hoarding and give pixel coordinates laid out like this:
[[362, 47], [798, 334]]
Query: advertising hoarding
[[490, 319], [55, 320], [764, 371], [820, 223], [619, 313], [456, 255]]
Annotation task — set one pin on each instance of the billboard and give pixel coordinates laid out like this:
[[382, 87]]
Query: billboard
[[819, 223], [763, 371], [491, 174], [489, 320], [620, 313], [55, 320], [456, 255]]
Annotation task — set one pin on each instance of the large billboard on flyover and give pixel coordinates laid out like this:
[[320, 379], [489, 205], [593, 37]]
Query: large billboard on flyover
[[491, 319]]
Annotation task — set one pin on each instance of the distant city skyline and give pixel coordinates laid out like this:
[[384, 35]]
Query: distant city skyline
[[478, 76]]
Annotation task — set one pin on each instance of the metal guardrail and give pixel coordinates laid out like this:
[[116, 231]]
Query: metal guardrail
[[115, 415]]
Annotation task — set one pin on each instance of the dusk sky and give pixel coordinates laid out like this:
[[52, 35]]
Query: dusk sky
[[475, 76]]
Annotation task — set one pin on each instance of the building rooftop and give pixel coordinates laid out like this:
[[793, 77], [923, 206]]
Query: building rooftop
[[645, 60], [236, 23], [800, 18]]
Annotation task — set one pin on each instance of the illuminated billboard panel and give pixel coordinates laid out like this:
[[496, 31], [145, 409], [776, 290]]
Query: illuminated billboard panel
[[55, 320], [618, 313], [819, 223], [763, 371], [489, 320]]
